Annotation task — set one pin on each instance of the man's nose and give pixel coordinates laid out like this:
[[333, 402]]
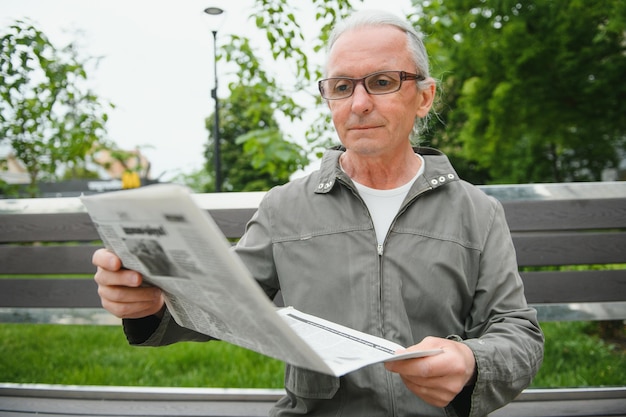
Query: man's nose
[[361, 99]]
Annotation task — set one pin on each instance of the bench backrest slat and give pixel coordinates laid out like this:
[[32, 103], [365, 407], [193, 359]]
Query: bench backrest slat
[[568, 248], [574, 286], [49, 293], [68, 227], [540, 287], [579, 214], [44, 227], [47, 260]]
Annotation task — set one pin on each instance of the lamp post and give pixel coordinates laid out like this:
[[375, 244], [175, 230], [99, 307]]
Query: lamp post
[[216, 13]]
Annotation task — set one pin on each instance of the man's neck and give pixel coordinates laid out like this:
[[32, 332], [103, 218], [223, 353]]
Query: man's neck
[[378, 172]]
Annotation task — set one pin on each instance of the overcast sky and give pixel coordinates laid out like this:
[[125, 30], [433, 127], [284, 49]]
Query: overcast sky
[[157, 65]]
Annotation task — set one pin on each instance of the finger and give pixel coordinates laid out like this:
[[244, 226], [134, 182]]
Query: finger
[[445, 364], [123, 294], [417, 367], [123, 277], [106, 259], [131, 311], [125, 302], [429, 342], [432, 391]]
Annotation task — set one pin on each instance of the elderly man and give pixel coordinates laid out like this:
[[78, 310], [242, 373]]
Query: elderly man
[[384, 238]]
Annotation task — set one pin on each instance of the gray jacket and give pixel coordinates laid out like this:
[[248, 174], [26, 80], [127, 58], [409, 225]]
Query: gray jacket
[[447, 269]]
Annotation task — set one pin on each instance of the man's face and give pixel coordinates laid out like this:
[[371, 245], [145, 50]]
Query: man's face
[[375, 124]]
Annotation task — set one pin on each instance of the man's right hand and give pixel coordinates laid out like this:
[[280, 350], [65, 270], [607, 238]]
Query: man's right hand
[[120, 289]]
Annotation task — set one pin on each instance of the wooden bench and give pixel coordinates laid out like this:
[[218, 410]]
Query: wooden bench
[[552, 225]]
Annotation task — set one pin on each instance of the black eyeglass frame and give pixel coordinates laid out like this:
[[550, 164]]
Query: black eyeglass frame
[[356, 81]]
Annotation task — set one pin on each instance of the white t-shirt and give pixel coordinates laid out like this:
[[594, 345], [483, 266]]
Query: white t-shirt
[[383, 205]]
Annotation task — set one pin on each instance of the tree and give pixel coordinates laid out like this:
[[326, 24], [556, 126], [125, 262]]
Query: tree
[[533, 90], [255, 154], [280, 20], [47, 116]]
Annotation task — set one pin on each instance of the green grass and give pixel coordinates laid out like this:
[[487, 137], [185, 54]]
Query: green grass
[[99, 355], [576, 356]]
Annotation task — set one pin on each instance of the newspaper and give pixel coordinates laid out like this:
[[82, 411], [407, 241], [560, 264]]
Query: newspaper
[[159, 231]]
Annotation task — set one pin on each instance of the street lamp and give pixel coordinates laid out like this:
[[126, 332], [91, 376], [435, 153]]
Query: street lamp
[[216, 15]]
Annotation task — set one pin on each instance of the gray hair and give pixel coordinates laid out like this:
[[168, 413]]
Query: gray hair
[[415, 45]]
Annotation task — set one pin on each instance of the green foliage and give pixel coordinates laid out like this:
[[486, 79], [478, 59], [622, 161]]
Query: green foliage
[[47, 116], [285, 158], [255, 155], [198, 181], [533, 90], [279, 20]]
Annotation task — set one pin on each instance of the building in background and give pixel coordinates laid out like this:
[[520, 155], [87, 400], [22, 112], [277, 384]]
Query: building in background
[[117, 169]]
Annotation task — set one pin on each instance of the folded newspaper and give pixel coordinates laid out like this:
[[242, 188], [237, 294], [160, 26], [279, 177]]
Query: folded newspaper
[[161, 232]]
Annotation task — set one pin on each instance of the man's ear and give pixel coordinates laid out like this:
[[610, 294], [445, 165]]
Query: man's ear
[[427, 99]]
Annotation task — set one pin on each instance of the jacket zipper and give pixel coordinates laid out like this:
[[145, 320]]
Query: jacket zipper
[[380, 250]]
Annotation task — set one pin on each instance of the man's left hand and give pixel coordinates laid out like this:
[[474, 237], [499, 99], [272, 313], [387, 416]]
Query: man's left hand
[[439, 378]]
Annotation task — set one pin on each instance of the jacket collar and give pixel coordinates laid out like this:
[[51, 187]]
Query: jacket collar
[[437, 170]]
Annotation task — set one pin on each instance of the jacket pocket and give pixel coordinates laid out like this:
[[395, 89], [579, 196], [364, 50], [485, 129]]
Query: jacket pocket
[[309, 384]]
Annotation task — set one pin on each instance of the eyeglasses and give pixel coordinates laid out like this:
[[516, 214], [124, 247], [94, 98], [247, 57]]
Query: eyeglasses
[[383, 82]]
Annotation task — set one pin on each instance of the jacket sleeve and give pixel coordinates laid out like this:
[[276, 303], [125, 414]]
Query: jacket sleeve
[[152, 331], [502, 331], [255, 248]]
